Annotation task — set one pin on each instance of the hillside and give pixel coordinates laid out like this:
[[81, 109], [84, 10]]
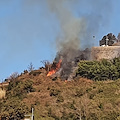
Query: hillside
[[53, 99]]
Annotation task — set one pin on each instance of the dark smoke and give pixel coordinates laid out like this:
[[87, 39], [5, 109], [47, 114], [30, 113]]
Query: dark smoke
[[70, 61]]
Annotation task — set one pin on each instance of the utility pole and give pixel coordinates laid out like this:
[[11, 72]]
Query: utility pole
[[80, 116], [32, 116]]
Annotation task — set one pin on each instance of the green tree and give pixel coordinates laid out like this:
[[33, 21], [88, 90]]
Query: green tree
[[99, 70]]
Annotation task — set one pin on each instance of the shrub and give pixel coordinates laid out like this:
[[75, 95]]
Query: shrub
[[100, 90], [93, 117], [54, 79], [91, 96], [100, 106], [79, 93], [54, 92], [13, 109], [71, 106], [13, 76], [19, 88], [60, 99]]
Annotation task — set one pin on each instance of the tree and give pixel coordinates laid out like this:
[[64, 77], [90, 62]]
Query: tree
[[111, 39], [118, 37], [13, 76], [82, 107], [47, 65], [30, 67], [99, 70]]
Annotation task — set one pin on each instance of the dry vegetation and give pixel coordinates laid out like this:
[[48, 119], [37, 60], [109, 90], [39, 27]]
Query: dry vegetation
[[53, 99]]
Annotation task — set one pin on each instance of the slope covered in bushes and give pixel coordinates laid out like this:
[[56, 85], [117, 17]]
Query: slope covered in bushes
[[53, 99]]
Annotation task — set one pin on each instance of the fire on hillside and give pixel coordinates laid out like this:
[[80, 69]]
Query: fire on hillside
[[55, 69], [65, 63], [75, 37]]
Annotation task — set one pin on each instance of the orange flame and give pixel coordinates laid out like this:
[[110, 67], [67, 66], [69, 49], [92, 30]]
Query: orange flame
[[66, 81], [53, 71]]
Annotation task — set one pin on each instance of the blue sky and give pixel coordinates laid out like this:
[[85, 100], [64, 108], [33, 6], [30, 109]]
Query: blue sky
[[28, 30]]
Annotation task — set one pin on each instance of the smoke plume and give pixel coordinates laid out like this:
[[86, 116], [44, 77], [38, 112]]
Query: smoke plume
[[77, 31], [71, 26]]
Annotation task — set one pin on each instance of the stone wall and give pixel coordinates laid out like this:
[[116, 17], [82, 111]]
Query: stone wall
[[106, 52]]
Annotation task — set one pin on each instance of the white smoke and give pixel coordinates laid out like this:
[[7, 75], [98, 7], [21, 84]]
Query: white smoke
[[71, 26], [79, 31]]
